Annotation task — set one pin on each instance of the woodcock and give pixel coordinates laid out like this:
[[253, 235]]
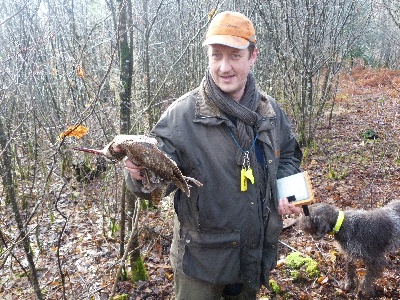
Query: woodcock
[[159, 170]]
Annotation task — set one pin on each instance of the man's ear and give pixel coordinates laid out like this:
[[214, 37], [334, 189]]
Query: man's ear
[[254, 55]]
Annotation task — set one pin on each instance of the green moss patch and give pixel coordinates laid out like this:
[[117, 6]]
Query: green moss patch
[[302, 263]]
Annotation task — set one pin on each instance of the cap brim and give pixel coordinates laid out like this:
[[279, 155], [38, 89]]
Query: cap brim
[[227, 40]]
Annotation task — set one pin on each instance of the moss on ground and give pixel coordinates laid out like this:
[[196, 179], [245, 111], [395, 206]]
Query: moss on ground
[[298, 261]]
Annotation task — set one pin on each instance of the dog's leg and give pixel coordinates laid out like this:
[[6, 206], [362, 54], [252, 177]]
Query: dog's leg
[[350, 282], [374, 267]]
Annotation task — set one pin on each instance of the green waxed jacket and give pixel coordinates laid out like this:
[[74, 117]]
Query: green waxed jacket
[[223, 235]]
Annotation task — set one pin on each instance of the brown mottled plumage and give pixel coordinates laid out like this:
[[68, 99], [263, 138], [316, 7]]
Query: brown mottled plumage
[[159, 170]]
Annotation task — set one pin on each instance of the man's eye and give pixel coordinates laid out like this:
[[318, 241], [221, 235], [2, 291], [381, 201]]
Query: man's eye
[[236, 56]]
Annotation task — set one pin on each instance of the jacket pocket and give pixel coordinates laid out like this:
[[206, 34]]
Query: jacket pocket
[[212, 256]]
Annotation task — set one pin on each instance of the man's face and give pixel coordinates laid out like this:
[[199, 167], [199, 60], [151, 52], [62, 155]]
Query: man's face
[[229, 68]]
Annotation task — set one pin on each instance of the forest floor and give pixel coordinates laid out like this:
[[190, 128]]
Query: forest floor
[[347, 169], [351, 171]]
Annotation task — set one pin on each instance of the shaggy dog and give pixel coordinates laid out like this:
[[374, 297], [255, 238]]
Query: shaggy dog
[[362, 234]]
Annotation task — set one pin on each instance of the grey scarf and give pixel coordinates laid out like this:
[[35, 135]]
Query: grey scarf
[[243, 111]]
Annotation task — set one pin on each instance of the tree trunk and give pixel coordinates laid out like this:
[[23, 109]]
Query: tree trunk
[[126, 70], [6, 156]]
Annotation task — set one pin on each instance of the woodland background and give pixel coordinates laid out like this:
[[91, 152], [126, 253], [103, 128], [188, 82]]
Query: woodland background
[[114, 66]]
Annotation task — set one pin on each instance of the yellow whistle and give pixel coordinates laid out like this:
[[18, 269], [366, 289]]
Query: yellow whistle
[[250, 175], [243, 180]]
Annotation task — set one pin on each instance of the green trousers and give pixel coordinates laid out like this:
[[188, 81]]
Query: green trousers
[[187, 288]]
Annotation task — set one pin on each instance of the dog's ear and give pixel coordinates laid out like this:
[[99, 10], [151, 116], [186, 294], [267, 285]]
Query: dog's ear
[[321, 227]]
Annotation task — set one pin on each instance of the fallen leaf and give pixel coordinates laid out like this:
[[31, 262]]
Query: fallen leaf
[[323, 279]]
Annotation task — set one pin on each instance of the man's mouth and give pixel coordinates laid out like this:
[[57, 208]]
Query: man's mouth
[[227, 78]]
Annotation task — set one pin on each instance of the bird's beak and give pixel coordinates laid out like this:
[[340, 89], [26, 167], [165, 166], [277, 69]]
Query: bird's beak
[[97, 152]]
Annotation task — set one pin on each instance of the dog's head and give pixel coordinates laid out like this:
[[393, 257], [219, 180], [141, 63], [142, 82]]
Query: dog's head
[[321, 220]]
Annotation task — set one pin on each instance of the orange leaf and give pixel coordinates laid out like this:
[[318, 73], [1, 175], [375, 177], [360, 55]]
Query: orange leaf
[[79, 71], [76, 131]]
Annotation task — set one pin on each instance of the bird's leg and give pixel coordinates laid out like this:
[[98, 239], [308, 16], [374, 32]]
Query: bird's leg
[[195, 181]]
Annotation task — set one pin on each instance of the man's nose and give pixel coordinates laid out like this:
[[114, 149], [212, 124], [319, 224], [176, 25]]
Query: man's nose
[[225, 65]]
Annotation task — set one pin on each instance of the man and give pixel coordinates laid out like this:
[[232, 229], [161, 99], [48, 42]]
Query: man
[[237, 142]]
